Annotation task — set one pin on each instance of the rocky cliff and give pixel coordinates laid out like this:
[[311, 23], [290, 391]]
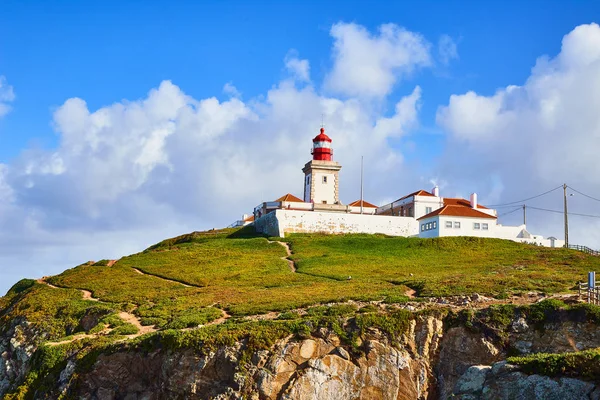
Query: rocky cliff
[[428, 354]]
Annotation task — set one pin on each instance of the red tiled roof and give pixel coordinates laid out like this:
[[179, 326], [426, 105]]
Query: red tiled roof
[[249, 218], [290, 198], [458, 211], [417, 193], [448, 201], [365, 204]]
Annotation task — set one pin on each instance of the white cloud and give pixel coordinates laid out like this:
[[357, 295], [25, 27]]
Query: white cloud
[[447, 49], [300, 69], [231, 90], [368, 65], [529, 138], [138, 171], [7, 95]]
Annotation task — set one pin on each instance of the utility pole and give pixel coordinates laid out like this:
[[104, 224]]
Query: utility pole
[[566, 217], [361, 184], [524, 214]]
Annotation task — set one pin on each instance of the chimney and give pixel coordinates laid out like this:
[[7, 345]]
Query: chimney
[[436, 191], [474, 200]]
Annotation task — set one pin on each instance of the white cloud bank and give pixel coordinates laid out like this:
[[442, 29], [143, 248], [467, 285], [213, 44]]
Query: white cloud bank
[[367, 65], [129, 174], [532, 137]]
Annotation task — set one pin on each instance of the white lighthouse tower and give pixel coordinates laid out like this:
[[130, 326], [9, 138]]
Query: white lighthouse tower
[[321, 174]]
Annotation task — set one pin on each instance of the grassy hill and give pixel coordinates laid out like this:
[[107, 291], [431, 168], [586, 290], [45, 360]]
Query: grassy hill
[[190, 280], [207, 289]]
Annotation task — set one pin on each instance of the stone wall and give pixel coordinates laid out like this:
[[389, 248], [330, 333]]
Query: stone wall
[[268, 224]]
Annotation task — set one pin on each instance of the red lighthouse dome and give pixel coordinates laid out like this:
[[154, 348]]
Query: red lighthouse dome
[[322, 147]]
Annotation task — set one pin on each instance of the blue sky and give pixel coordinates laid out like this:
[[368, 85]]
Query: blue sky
[[112, 50], [122, 123]]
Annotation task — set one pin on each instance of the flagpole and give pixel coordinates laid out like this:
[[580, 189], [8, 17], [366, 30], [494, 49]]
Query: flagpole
[[361, 184]]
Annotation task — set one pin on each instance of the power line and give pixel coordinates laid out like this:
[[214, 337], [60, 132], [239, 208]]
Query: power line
[[562, 212], [509, 212], [583, 194], [524, 200]]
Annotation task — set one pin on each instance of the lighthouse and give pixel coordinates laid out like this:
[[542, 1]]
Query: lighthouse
[[321, 174]]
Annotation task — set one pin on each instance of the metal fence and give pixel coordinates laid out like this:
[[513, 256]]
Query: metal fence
[[585, 249]]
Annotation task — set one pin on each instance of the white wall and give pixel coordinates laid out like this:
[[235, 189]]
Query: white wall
[[418, 203], [422, 202], [324, 191], [293, 221]]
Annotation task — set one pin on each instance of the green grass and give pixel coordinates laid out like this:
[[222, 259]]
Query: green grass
[[441, 266], [244, 275], [55, 311]]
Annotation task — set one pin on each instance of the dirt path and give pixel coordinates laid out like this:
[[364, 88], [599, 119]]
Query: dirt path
[[74, 338], [164, 279], [224, 317], [135, 321], [87, 295], [286, 246], [42, 280], [410, 293]]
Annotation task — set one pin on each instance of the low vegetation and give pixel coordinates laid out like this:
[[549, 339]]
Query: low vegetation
[[580, 364], [189, 280]]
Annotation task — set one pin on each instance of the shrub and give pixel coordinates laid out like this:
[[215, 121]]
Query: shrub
[[125, 329]]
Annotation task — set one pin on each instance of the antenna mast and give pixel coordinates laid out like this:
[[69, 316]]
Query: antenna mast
[[361, 184]]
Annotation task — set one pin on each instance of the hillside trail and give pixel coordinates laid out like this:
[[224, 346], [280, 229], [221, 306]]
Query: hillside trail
[[86, 294], [454, 302], [125, 316], [288, 251], [135, 321], [164, 279]]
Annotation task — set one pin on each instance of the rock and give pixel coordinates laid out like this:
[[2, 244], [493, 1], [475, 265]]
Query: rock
[[516, 385], [459, 350], [503, 367], [471, 382], [342, 353], [523, 346], [308, 348], [519, 325]]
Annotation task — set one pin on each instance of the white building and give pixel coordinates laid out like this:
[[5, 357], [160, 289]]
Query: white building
[[421, 213]]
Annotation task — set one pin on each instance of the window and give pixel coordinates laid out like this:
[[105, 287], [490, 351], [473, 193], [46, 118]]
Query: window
[[324, 179], [308, 179], [456, 225], [434, 225], [484, 227], [427, 210], [428, 225], [324, 201], [422, 227], [476, 225], [448, 224]]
